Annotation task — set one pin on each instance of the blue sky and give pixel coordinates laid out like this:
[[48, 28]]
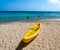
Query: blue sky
[[29, 5]]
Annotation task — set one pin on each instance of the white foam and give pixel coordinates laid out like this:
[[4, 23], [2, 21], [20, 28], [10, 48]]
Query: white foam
[[50, 20]]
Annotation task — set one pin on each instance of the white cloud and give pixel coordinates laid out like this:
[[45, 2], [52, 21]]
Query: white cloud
[[54, 1]]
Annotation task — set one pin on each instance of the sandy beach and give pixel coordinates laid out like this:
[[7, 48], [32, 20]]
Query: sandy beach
[[12, 33]]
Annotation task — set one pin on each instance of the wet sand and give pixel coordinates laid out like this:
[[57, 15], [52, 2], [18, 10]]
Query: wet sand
[[11, 35]]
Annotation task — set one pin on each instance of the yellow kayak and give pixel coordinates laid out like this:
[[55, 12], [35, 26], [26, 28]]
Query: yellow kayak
[[32, 33]]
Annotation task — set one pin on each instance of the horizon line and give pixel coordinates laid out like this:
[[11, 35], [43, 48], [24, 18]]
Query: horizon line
[[29, 11]]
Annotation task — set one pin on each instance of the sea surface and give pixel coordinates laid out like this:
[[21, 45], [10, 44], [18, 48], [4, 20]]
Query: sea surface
[[6, 16]]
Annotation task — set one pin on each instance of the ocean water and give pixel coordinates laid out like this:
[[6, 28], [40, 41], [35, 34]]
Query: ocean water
[[6, 16]]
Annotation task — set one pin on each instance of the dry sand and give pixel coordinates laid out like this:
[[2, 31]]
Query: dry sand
[[11, 35]]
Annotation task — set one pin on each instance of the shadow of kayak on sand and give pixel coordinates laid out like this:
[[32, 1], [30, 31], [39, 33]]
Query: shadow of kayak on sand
[[22, 44]]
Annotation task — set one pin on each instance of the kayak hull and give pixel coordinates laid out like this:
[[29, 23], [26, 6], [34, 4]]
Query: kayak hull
[[32, 33]]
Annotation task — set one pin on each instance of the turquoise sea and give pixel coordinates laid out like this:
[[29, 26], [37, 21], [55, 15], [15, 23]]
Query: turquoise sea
[[7, 16]]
